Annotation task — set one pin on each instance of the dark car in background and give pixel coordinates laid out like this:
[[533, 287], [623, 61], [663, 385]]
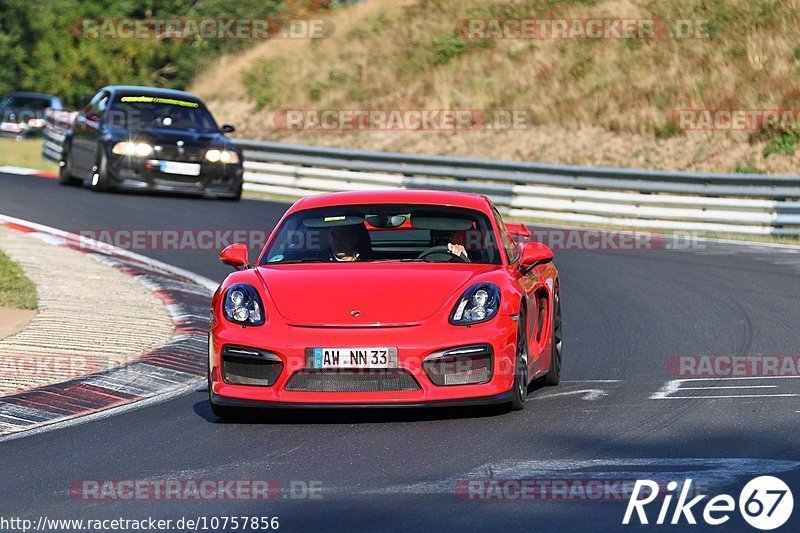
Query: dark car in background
[[150, 139], [22, 114]]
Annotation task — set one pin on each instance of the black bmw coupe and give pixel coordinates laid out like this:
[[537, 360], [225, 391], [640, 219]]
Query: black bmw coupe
[[151, 139]]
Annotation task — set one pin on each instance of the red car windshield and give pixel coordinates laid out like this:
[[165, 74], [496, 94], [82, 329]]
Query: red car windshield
[[385, 233]]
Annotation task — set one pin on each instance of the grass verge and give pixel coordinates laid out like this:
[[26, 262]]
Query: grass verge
[[16, 290], [25, 153]]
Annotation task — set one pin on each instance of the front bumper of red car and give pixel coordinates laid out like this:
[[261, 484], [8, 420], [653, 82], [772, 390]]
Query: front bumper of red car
[[410, 383]]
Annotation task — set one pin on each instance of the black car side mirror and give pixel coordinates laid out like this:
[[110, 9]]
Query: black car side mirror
[[227, 128]]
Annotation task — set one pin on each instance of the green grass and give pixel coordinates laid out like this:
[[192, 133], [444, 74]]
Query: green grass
[[782, 142], [16, 290], [25, 153]]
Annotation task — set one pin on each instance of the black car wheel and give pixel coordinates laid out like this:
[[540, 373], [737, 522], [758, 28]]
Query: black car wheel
[[554, 374], [65, 176], [100, 179], [521, 364]]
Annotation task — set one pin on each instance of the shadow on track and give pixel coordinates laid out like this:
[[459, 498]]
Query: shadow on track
[[357, 415]]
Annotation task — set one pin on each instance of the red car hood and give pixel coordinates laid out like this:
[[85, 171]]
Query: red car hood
[[377, 293]]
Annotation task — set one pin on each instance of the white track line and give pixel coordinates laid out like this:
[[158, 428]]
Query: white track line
[[736, 388], [729, 396], [591, 381], [675, 386]]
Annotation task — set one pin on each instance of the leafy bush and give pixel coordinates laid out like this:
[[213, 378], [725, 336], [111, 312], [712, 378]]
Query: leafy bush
[[42, 47]]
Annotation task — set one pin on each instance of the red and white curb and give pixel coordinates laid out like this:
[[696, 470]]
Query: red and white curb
[[22, 171], [176, 366]]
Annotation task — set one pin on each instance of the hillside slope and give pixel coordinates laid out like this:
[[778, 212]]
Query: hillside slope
[[587, 101]]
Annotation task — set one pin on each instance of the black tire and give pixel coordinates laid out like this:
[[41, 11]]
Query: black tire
[[65, 176], [100, 179], [520, 390], [553, 376]]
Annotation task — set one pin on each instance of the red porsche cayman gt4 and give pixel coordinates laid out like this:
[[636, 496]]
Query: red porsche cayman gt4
[[386, 298]]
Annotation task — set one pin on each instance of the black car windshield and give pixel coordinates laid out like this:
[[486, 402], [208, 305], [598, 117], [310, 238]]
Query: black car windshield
[[140, 112], [27, 102], [402, 233]]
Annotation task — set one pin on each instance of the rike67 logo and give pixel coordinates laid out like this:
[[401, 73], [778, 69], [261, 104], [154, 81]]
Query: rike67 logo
[[765, 503]]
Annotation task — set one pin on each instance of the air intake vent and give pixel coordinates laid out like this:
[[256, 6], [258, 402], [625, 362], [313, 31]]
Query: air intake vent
[[250, 366], [352, 381]]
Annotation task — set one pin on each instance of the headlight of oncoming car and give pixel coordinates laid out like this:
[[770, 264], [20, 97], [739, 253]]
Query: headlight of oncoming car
[[243, 305], [133, 149], [223, 156], [478, 304]]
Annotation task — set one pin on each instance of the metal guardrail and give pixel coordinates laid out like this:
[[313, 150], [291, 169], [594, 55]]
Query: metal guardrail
[[729, 203], [56, 125], [644, 199]]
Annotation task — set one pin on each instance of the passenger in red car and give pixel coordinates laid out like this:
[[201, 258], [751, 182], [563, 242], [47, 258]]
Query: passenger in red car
[[349, 242]]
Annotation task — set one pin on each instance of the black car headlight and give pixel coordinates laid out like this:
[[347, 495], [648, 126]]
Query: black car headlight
[[224, 156], [478, 304], [133, 149], [243, 305]]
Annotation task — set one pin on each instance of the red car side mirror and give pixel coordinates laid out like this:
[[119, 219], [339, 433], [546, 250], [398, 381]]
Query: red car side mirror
[[534, 254], [235, 255]]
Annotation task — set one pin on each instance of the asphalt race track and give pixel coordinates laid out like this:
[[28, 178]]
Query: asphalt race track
[[626, 313]]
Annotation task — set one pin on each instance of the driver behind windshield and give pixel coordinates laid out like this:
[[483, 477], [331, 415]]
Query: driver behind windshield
[[454, 244], [347, 242]]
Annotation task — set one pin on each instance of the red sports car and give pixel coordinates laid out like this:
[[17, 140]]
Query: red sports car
[[385, 298]]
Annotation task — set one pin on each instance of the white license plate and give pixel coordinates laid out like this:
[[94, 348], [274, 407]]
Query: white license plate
[[333, 358], [184, 169], [9, 126]]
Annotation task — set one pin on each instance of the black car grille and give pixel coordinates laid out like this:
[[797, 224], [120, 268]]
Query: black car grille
[[352, 381], [189, 154], [250, 366]]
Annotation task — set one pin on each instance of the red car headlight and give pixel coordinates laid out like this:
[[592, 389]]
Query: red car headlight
[[243, 305], [478, 304]]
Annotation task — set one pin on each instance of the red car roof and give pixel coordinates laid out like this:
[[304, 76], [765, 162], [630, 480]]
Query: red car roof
[[400, 196]]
